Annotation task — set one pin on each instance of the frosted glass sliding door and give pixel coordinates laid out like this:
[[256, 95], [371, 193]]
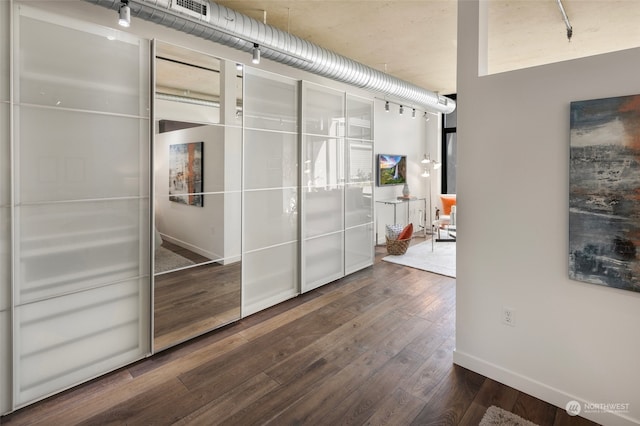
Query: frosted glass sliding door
[[5, 213], [322, 185], [81, 203], [359, 178], [270, 191]]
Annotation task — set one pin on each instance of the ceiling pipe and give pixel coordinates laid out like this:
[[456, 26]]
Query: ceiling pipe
[[228, 27]]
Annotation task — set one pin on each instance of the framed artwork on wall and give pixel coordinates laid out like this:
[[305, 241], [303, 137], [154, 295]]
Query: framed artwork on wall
[[186, 173], [604, 192], [392, 169]]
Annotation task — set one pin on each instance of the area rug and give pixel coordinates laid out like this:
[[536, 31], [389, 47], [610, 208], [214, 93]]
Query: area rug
[[495, 416], [441, 260], [167, 260]]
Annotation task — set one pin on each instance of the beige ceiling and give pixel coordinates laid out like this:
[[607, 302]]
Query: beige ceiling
[[416, 40]]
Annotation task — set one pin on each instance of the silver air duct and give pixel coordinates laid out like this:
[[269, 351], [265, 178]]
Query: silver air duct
[[222, 25]]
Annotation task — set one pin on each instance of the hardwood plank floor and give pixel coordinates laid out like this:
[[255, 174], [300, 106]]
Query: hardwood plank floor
[[193, 301], [372, 348]]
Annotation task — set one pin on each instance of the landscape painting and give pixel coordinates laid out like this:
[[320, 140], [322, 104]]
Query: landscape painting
[[392, 169], [185, 173], [604, 192]]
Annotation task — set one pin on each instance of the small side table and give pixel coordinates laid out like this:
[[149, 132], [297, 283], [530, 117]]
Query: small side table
[[407, 202], [438, 225]]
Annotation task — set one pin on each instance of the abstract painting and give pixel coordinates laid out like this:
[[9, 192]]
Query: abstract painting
[[186, 173], [604, 192]]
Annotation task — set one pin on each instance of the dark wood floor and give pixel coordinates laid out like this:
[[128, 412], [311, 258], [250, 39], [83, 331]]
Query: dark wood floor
[[192, 301], [372, 348]]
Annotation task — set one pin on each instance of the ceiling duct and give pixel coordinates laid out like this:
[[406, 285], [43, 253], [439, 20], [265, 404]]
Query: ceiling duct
[[226, 26]]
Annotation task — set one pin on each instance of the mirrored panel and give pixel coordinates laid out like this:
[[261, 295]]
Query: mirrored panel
[[197, 194], [197, 276]]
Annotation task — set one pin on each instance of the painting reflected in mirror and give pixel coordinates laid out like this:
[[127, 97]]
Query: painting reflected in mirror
[[197, 194]]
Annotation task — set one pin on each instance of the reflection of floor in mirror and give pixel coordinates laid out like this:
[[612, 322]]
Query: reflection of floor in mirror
[[166, 260], [195, 257], [193, 301]]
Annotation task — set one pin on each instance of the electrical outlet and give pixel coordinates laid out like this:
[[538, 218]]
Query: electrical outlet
[[509, 316]]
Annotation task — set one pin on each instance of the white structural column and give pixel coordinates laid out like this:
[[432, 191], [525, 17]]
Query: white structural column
[[570, 340]]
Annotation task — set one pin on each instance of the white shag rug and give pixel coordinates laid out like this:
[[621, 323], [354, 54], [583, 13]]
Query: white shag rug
[[166, 260], [495, 416], [441, 260]]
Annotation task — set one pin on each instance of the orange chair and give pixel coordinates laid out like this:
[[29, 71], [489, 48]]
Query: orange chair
[[447, 216]]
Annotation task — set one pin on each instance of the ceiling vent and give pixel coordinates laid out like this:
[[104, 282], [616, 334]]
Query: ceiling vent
[[195, 8]]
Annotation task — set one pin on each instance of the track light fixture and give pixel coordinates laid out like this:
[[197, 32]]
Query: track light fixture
[[256, 53], [124, 14], [401, 108]]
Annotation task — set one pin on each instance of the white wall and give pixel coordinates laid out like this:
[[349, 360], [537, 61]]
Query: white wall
[[571, 340], [199, 229], [404, 135]]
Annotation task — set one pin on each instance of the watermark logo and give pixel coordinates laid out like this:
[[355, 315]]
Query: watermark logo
[[573, 408]]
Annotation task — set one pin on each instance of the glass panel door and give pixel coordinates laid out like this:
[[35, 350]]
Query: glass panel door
[[270, 189], [81, 202], [322, 185], [359, 185], [5, 212]]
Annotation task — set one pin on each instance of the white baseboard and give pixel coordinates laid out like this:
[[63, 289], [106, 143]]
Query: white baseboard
[[190, 247], [540, 390]]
